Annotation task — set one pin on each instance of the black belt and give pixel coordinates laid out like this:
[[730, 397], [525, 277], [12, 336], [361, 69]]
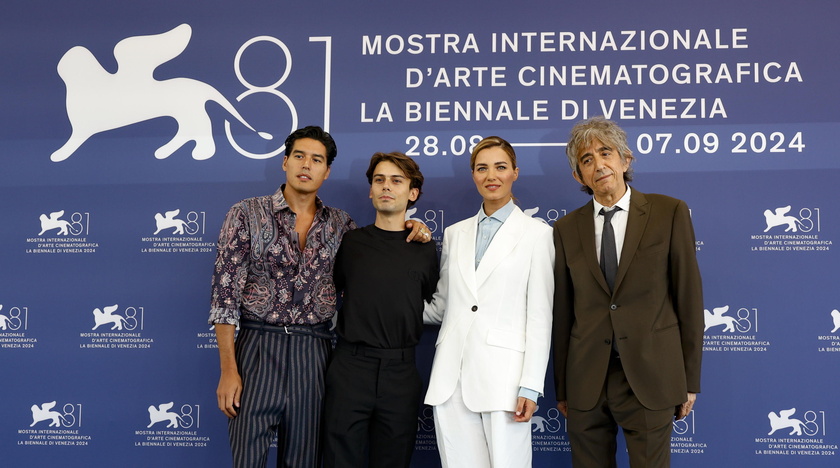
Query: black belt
[[399, 354], [319, 330]]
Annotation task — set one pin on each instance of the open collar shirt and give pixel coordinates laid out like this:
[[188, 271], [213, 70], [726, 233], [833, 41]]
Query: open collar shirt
[[262, 274], [488, 226]]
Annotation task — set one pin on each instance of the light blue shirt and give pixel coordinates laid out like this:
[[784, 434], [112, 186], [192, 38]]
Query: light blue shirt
[[488, 226]]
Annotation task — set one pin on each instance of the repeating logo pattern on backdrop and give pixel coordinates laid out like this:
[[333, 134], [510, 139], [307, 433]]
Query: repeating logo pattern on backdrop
[[62, 232], [54, 424], [548, 430], [425, 439], [684, 437], [551, 215], [730, 329], [116, 327], [182, 427], [793, 433], [14, 325], [789, 230], [830, 343], [177, 233]]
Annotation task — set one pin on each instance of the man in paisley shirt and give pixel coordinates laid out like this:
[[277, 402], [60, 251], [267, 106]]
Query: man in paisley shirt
[[273, 278]]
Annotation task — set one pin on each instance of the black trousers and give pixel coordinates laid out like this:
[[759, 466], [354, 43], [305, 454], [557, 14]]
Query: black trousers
[[371, 406]]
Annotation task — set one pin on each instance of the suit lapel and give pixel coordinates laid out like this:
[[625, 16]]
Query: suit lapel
[[466, 254], [586, 232], [501, 246], [637, 220]]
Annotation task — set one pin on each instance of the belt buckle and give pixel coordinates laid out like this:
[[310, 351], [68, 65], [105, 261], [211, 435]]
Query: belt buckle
[[286, 329]]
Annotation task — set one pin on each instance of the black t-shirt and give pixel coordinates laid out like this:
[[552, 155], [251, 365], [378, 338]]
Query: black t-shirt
[[385, 281]]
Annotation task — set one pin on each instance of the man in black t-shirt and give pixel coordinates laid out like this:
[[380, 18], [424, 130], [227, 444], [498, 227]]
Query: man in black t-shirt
[[373, 388]]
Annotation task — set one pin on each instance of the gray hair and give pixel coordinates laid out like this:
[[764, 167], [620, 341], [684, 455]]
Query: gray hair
[[606, 131]]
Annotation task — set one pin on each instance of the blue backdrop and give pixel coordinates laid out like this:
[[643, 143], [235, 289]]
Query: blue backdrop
[[127, 129]]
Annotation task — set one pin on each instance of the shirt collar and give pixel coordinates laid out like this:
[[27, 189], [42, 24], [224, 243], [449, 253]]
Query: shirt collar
[[623, 203], [278, 202], [500, 215]]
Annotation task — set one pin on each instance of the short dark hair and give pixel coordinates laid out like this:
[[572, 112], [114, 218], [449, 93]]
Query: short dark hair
[[407, 165], [315, 133]]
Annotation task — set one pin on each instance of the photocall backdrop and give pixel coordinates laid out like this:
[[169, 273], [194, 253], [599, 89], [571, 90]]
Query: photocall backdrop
[[129, 128]]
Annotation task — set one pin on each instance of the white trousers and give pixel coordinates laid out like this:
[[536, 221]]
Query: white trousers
[[467, 439]]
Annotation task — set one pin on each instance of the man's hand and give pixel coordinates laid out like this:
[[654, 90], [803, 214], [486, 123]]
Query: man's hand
[[563, 406], [230, 383], [524, 409], [419, 231], [228, 393], [685, 408]]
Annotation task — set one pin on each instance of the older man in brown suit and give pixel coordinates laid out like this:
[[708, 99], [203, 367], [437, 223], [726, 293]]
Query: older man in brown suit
[[628, 308]]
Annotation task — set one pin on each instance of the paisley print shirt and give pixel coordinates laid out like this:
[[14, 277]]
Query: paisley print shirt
[[262, 274]]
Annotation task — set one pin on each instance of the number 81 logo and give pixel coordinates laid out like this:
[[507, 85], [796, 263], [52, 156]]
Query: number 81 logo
[[272, 89]]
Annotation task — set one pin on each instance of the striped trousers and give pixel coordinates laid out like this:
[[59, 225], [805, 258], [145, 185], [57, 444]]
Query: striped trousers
[[283, 391]]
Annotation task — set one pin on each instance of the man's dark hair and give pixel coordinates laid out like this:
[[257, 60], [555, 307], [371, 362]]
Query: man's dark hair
[[315, 133], [407, 165]]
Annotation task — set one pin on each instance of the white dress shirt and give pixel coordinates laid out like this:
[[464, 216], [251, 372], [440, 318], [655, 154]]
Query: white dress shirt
[[618, 221]]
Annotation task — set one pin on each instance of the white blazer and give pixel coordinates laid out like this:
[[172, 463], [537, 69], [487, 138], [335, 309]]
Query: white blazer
[[495, 320]]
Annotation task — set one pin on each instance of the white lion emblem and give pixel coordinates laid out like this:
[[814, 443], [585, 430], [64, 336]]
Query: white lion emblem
[[716, 317], [531, 212], [108, 316], [52, 221], [780, 218], [45, 413], [162, 413], [98, 100], [550, 423], [168, 220], [783, 420], [5, 322]]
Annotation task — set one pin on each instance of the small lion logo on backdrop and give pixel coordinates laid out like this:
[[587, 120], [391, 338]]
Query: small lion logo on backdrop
[[718, 317], [168, 220], [780, 217], [54, 221], [107, 316], [783, 420], [98, 100], [45, 412], [161, 413], [5, 322], [549, 423]]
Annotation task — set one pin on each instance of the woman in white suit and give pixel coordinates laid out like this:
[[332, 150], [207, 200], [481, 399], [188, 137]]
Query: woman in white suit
[[493, 302]]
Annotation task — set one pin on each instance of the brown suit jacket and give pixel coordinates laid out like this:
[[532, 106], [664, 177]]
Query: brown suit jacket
[[655, 312]]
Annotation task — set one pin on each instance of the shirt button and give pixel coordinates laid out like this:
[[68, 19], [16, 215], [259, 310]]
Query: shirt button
[[613, 307], [474, 308]]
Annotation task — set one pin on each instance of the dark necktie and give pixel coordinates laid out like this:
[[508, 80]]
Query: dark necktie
[[609, 258]]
